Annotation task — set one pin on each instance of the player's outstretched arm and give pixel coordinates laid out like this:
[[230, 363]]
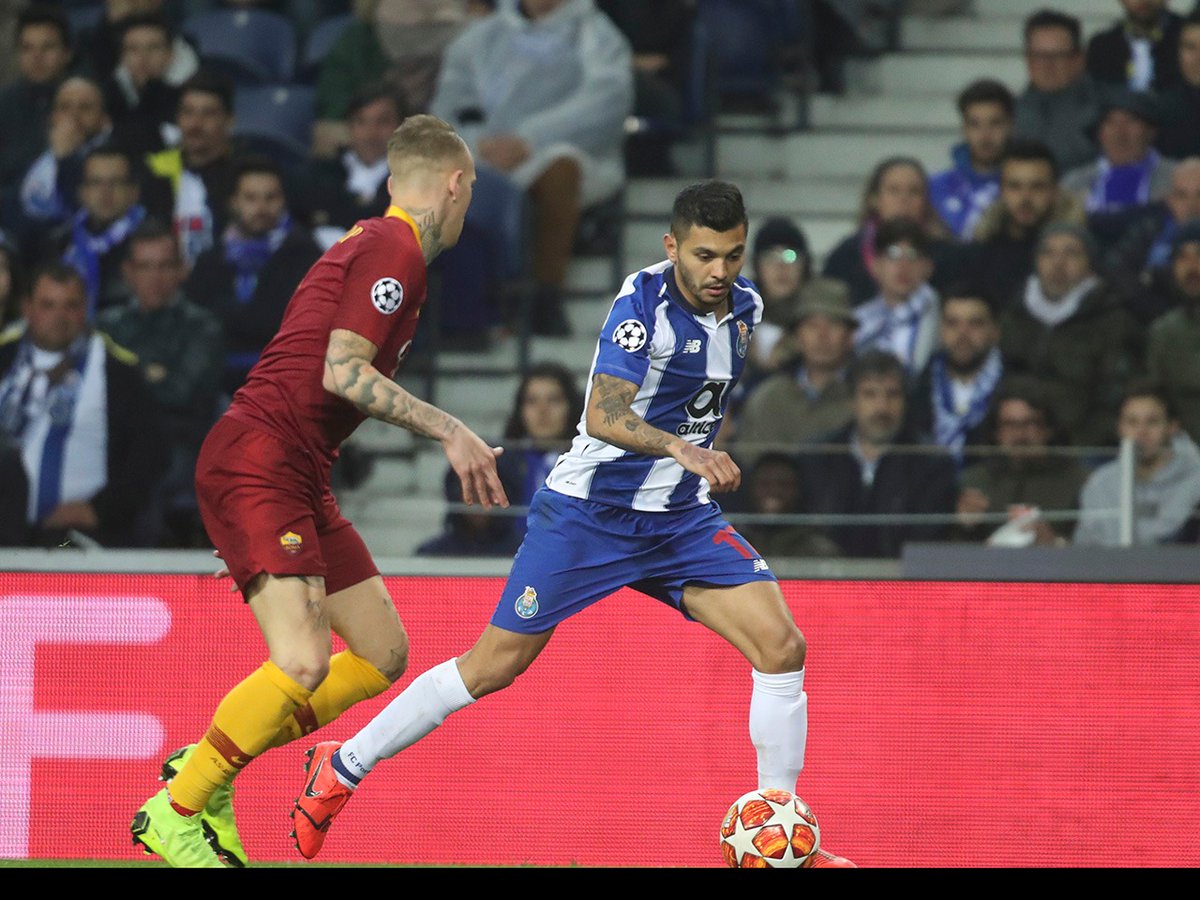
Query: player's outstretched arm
[[351, 374], [610, 418]]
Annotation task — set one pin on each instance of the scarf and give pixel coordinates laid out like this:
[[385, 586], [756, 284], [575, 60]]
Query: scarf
[[1119, 187], [248, 255], [1054, 312], [86, 249], [950, 426], [193, 218], [1160, 250], [896, 328], [866, 242], [363, 180]]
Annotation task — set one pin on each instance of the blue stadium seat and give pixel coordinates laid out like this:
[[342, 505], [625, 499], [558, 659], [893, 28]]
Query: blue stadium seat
[[320, 41], [276, 119], [252, 46]]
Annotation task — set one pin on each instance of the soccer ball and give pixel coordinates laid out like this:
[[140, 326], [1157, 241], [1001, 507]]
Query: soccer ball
[[769, 829]]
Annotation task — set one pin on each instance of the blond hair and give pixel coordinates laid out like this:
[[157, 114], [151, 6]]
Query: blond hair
[[424, 142]]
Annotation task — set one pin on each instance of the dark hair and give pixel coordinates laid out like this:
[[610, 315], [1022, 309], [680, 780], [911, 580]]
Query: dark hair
[[110, 148], [1030, 391], [970, 289], [515, 429], [1029, 150], [874, 363], [151, 229], [45, 14], [986, 90], [875, 181], [901, 231], [9, 306], [1052, 18], [710, 204], [57, 271], [374, 91], [1145, 386], [146, 20], [205, 81], [253, 164]]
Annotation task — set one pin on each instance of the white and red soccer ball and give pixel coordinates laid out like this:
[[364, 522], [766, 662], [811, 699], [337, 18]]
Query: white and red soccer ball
[[769, 829]]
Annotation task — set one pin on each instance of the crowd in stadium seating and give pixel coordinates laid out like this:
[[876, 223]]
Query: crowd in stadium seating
[[1040, 296]]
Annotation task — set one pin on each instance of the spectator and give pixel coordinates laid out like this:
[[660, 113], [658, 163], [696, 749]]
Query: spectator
[[881, 470], [200, 171], [903, 315], [93, 241], [660, 36], [14, 495], [809, 397], [1030, 476], [1166, 477], [782, 266], [559, 77], [1129, 172], [1139, 263], [1073, 335], [896, 189], [775, 491], [1140, 51], [180, 350], [1061, 101], [955, 392], [11, 282], [89, 431], [1171, 357], [247, 278], [401, 42], [140, 99], [1001, 256], [332, 194], [44, 54], [961, 193], [1179, 134], [105, 42], [545, 415], [78, 124]]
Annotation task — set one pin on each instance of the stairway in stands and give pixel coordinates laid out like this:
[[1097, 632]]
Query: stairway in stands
[[901, 102]]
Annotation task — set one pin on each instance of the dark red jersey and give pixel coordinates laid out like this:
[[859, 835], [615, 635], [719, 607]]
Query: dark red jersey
[[371, 282]]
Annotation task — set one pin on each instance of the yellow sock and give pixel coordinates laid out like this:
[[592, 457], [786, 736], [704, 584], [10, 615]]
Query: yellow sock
[[351, 679], [242, 728]]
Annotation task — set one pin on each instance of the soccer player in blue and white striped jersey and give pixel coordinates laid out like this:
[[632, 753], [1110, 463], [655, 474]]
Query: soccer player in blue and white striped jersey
[[628, 506]]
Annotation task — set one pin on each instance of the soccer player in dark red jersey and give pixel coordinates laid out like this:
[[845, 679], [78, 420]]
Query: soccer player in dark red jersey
[[263, 483]]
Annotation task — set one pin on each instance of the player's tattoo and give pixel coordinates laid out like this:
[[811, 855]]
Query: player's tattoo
[[612, 398], [353, 376], [431, 233]]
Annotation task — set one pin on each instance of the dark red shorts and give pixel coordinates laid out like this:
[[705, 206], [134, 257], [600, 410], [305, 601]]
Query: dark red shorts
[[267, 507]]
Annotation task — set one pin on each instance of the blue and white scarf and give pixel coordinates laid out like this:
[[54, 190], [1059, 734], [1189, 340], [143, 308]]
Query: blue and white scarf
[[950, 426], [1119, 187], [248, 255], [86, 249]]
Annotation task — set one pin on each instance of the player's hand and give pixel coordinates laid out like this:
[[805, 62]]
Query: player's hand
[[715, 466], [504, 151], [474, 462], [223, 572]]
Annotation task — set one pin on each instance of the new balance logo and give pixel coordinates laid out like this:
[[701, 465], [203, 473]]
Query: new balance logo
[[693, 346], [760, 565]]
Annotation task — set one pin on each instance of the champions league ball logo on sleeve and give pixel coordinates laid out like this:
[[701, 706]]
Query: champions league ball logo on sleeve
[[630, 335], [387, 294]]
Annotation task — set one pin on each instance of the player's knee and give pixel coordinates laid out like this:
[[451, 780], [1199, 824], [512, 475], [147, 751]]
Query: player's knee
[[786, 655], [308, 672]]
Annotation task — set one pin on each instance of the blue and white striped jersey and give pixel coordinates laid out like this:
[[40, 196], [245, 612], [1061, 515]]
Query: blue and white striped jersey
[[685, 365]]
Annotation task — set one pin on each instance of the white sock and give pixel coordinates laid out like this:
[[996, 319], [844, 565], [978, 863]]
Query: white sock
[[412, 714], [779, 727]]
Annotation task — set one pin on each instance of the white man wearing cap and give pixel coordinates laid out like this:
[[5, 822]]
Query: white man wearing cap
[[809, 396]]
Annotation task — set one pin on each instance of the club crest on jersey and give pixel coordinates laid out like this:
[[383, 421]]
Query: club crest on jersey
[[630, 335], [527, 604], [743, 340], [291, 543], [387, 294]]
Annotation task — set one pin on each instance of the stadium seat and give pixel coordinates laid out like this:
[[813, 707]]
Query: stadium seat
[[276, 119], [252, 46], [320, 41]]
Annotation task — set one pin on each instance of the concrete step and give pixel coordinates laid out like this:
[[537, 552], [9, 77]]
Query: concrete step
[[930, 74], [842, 154], [1021, 8], [999, 31], [651, 199], [885, 112]]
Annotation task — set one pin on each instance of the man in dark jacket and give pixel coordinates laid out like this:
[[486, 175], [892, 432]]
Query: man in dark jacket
[[249, 275], [90, 432], [1140, 51], [883, 469]]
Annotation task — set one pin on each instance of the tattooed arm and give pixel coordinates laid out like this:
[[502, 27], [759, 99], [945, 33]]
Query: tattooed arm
[[610, 418], [350, 374]]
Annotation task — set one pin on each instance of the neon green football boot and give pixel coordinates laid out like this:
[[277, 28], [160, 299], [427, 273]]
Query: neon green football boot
[[178, 839], [217, 817]]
